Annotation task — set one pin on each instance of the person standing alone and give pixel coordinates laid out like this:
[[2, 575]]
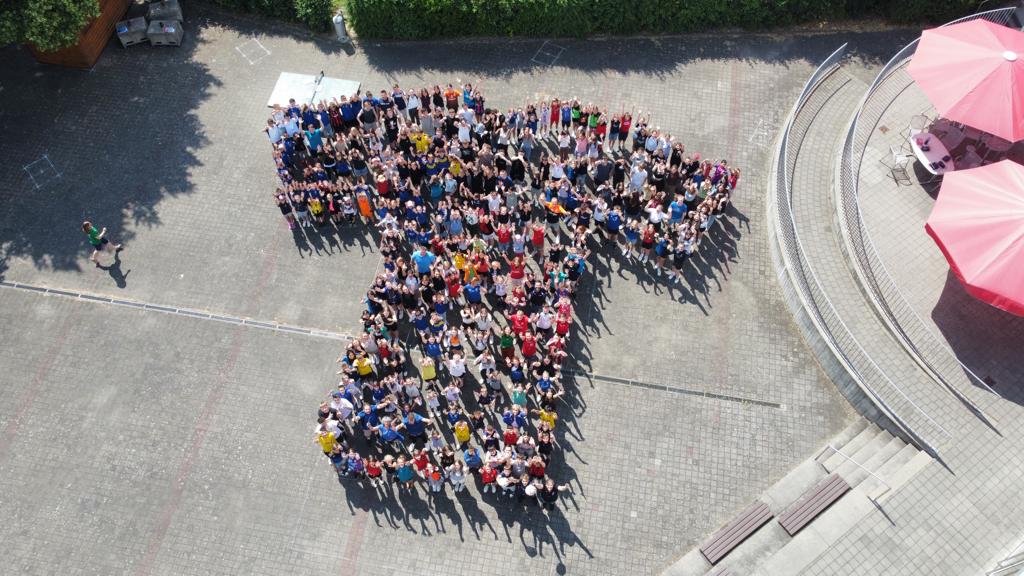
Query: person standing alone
[[98, 240]]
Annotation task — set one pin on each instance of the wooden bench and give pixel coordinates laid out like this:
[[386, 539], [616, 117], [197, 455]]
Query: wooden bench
[[813, 502], [720, 571], [735, 532]]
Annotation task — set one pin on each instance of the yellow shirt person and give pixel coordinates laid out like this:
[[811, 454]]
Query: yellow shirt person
[[327, 441], [454, 166], [364, 366], [548, 418], [428, 370], [460, 261], [422, 142]]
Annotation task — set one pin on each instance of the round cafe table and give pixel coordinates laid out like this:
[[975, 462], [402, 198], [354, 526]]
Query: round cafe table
[[933, 155]]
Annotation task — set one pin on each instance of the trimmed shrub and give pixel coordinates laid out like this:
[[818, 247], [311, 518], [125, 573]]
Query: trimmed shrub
[[937, 11], [48, 25], [316, 14], [279, 9], [419, 19]]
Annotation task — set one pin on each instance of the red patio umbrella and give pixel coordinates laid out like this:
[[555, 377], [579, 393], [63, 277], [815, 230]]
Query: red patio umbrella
[[973, 72], [978, 223]]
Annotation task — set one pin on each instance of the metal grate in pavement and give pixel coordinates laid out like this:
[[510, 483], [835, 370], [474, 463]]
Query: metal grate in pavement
[[178, 311], [672, 389]]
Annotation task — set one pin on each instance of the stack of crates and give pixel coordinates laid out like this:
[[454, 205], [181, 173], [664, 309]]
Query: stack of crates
[[165, 23], [165, 33], [165, 10], [132, 31]]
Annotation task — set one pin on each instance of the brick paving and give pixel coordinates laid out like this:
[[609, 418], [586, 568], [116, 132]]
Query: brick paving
[[893, 374], [984, 338], [957, 516], [148, 443]]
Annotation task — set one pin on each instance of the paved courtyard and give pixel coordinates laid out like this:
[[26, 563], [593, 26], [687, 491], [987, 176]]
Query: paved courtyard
[[140, 440]]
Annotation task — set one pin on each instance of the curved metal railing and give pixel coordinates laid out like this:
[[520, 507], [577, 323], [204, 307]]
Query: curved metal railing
[[848, 351], [917, 336]]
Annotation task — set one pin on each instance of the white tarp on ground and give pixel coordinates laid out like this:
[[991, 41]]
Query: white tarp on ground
[[306, 88]]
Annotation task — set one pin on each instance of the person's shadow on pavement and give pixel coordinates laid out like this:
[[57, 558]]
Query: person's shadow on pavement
[[114, 269]]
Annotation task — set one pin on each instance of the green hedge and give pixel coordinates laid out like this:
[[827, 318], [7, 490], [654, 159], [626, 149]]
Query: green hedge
[[313, 13], [415, 19], [46, 24]]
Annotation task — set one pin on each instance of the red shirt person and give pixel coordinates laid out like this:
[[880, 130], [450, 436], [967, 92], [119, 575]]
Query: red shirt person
[[516, 269], [562, 324], [529, 345], [520, 323]]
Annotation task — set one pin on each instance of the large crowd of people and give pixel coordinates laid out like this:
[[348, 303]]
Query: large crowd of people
[[485, 221]]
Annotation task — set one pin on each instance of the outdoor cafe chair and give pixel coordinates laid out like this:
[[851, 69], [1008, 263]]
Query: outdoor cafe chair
[[897, 162]]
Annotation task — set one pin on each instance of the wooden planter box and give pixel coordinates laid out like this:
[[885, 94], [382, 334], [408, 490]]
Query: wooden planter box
[[91, 41]]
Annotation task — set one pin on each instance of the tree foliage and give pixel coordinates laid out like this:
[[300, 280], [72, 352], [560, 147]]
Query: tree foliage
[[417, 19], [46, 24], [316, 14]]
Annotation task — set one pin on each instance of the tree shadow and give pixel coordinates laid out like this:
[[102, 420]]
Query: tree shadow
[[662, 55], [254, 25], [109, 144], [106, 145]]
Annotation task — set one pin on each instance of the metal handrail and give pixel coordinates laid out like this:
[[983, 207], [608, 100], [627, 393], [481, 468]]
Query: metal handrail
[[1016, 562], [805, 289], [868, 265], [850, 459]]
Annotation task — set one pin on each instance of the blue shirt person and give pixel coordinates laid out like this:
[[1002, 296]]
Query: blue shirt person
[[424, 260], [472, 458], [472, 292]]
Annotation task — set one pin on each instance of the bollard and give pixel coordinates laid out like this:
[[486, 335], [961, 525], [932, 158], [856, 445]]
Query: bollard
[[339, 27]]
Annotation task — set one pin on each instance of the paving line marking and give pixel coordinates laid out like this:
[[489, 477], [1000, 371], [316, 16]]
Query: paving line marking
[[30, 393], [548, 45], [42, 172], [245, 53], [354, 543], [180, 311], [172, 504], [673, 389], [327, 334]]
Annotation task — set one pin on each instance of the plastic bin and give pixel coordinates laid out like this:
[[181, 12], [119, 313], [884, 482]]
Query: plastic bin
[[131, 32], [165, 33], [165, 10]]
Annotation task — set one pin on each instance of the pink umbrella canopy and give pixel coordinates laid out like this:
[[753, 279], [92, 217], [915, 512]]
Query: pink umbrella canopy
[[978, 223], [973, 73]]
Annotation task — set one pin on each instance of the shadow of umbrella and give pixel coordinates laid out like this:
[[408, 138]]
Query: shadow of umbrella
[[984, 338]]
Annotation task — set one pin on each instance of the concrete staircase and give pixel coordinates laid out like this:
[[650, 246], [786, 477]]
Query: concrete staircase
[[855, 347], [932, 479], [900, 403], [875, 463]]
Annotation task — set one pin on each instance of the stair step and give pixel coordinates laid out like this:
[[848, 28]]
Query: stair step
[[851, 447], [844, 437], [865, 453], [897, 461], [901, 476], [793, 485], [803, 548], [856, 475]]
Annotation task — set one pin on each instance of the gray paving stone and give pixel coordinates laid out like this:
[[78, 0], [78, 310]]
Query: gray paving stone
[[142, 442], [953, 517]]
